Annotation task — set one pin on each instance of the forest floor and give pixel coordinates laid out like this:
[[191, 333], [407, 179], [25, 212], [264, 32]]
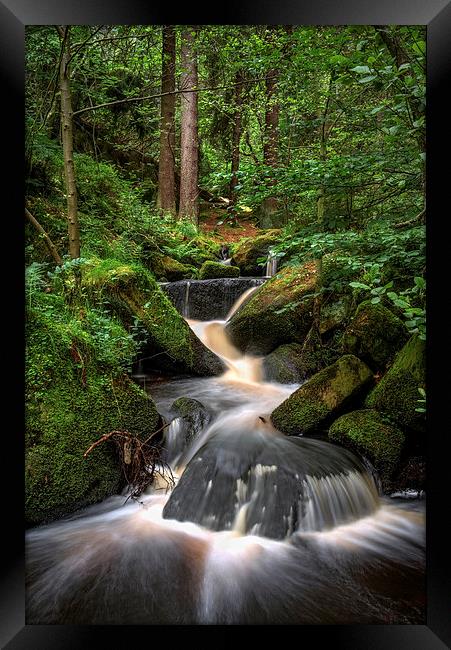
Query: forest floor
[[245, 226]]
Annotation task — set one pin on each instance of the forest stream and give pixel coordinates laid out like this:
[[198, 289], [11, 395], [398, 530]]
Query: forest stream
[[258, 527]]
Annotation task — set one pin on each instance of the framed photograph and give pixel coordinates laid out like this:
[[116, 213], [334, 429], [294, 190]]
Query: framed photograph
[[226, 247]]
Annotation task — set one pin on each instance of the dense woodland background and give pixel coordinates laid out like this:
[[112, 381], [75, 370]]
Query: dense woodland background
[[148, 148]]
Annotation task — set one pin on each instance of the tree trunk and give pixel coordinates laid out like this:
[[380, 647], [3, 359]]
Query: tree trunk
[[68, 144], [270, 148], [189, 155], [166, 180], [236, 136]]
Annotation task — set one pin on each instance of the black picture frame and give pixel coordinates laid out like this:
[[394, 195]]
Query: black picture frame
[[14, 15]]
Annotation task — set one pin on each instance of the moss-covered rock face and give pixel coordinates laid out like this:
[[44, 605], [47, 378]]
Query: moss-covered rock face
[[210, 270], [71, 400], [397, 392], [369, 434], [194, 415], [374, 334], [133, 293], [249, 250], [335, 311], [167, 268], [285, 364], [322, 396], [278, 312]]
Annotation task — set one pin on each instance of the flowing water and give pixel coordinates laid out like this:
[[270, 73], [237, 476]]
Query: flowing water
[[259, 528]]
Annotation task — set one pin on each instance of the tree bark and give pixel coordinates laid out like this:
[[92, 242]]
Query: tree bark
[[270, 147], [48, 242], [67, 132], [189, 155], [236, 137], [166, 179]]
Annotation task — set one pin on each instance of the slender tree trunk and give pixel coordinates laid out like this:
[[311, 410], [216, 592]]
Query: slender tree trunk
[[189, 155], [270, 147], [48, 242], [236, 136], [166, 179], [67, 132]]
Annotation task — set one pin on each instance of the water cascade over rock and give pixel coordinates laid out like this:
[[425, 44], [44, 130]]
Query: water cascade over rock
[[260, 528], [208, 299]]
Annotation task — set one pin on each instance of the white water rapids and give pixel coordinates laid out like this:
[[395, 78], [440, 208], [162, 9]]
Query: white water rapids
[[260, 528]]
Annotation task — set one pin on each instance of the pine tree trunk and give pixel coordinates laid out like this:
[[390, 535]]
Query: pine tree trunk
[[236, 137], [67, 134], [189, 155], [166, 178]]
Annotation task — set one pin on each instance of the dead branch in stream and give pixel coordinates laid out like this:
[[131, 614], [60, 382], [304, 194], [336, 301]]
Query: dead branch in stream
[[140, 460]]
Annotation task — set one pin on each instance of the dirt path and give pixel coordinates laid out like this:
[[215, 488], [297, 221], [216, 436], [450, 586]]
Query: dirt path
[[208, 224]]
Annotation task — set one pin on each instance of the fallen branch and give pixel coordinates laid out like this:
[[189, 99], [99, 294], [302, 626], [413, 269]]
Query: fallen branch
[[48, 242], [140, 461], [420, 217]]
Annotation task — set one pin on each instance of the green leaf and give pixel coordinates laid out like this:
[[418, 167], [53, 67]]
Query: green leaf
[[366, 80], [361, 69], [374, 301], [359, 285]]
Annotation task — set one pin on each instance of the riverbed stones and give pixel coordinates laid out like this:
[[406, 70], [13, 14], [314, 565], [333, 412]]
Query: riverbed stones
[[397, 393], [374, 334], [194, 417], [281, 311], [323, 396], [210, 270], [249, 250], [370, 434], [285, 364]]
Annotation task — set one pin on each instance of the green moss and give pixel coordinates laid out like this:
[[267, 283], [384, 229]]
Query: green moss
[[374, 334], [321, 396], [397, 392], [246, 252], [366, 432], [280, 311], [133, 293], [171, 270], [70, 402], [210, 270]]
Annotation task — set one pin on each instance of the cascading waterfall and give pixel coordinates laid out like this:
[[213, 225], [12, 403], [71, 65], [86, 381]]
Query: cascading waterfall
[[260, 528], [271, 265]]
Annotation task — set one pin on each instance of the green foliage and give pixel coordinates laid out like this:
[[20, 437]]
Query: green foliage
[[410, 302]]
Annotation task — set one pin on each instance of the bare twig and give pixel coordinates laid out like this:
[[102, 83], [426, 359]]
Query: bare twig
[[140, 461]]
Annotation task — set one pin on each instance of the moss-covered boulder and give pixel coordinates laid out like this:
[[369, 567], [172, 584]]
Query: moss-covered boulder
[[285, 364], [193, 418], [73, 398], [246, 253], [371, 435], [279, 312], [167, 268], [335, 311], [374, 334], [133, 295], [323, 396], [397, 392], [210, 270]]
